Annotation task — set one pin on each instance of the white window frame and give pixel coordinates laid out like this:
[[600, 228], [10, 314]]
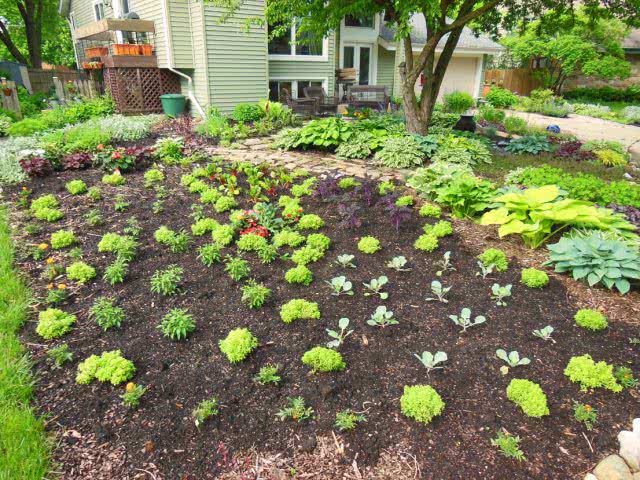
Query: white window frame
[[294, 83], [300, 58], [95, 10]]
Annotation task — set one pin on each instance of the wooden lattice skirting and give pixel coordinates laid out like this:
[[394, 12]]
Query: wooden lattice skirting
[[138, 90]]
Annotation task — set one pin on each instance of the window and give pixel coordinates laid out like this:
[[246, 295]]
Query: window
[[291, 43], [98, 10], [365, 22], [294, 87]]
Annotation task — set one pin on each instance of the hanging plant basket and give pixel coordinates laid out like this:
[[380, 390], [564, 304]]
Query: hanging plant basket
[[92, 65]]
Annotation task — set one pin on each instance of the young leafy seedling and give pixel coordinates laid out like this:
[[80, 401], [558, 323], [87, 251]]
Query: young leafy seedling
[[375, 286], [382, 318], [439, 291], [485, 270], [346, 260], [512, 358], [339, 337], [340, 286], [296, 410], [445, 264], [464, 320], [498, 293], [545, 333], [398, 264], [431, 361]]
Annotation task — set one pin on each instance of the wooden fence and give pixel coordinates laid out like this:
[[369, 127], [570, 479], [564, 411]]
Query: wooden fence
[[42, 80], [9, 97], [518, 80], [65, 91]]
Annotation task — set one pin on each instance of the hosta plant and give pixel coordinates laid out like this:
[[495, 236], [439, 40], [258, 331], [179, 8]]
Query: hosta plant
[[439, 291], [340, 286], [597, 260], [432, 361], [530, 145], [375, 287], [382, 318], [512, 358], [399, 152], [464, 319], [340, 335]]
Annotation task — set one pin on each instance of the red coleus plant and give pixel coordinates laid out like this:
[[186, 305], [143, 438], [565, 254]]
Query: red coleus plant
[[36, 166]]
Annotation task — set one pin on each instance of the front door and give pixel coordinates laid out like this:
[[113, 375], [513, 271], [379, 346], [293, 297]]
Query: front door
[[358, 57]]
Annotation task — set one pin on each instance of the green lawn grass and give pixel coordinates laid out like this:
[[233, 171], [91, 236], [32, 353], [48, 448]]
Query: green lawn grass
[[24, 447]]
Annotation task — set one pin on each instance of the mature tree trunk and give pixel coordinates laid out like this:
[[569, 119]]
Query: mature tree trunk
[[31, 12]]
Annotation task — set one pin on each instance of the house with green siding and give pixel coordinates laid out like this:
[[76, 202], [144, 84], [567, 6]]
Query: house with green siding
[[222, 63]]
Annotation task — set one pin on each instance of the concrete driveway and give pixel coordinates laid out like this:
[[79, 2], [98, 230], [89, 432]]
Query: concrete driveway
[[589, 128]]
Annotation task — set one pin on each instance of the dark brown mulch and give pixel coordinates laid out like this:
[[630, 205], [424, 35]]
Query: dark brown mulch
[[379, 361]]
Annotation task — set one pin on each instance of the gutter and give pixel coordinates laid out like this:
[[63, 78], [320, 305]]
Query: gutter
[[170, 59]]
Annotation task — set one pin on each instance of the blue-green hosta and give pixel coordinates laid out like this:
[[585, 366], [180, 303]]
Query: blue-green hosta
[[538, 213], [597, 260]]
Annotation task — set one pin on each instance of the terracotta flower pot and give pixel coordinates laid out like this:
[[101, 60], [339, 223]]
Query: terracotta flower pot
[[94, 52]]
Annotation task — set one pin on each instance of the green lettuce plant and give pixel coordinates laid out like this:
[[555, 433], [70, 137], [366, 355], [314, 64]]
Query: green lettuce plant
[[528, 396], [238, 344], [322, 359], [421, 403], [589, 374]]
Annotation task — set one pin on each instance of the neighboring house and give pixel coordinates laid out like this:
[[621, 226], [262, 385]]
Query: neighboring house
[[229, 63]]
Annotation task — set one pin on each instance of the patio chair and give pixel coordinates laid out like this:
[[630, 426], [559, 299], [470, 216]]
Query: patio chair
[[325, 103], [307, 107], [368, 96]]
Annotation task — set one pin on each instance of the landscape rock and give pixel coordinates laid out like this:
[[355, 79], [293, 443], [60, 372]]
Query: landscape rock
[[630, 446], [612, 468]]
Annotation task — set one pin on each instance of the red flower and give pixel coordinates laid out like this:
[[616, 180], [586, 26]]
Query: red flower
[[100, 147], [116, 155]]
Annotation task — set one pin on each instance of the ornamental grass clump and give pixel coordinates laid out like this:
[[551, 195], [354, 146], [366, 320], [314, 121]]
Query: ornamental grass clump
[[534, 278], [299, 309], [108, 367], [591, 319], [589, 374], [528, 396], [53, 323], [238, 344], [322, 359], [369, 245], [421, 403]]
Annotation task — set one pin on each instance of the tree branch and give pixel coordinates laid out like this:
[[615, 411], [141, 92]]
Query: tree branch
[[5, 37]]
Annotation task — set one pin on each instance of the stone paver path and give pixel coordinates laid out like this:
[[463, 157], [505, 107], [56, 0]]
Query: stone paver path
[[590, 128]]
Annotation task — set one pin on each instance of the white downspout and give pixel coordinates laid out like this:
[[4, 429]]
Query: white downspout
[[170, 61]]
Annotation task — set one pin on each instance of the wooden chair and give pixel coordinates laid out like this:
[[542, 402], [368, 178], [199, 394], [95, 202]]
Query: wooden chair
[[325, 103], [307, 107], [368, 96]]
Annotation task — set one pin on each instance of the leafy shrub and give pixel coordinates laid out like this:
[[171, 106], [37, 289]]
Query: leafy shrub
[[501, 97], [153, 176], [5, 123], [35, 166], [369, 245], [288, 238], [534, 278], [491, 114], [165, 282], [106, 314], [209, 254], [515, 125], [124, 246], [53, 323], [589, 374], [348, 420], [169, 150], [26, 127], [555, 108], [225, 203], [322, 359], [306, 255], [251, 243], [298, 309], [300, 190], [268, 374], [399, 152], [63, 239], [236, 267], [223, 235], [466, 195], [108, 367], [428, 210], [177, 324], [591, 319], [238, 344], [458, 102], [509, 446], [356, 148], [529, 396], [426, 242], [310, 222], [116, 272], [421, 402], [297, 410], [177, 242], [606, 93], [247, 112], [299, 274], [80, 272], [596, 260], [529, 144], [631, 113], [404, 201], [318, 241], [46, 208], [495, 257], [204, 225], [255, 294]]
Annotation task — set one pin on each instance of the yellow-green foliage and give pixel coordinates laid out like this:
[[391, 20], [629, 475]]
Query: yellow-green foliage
[[310, 221], [198, 186], [238, 344], [610, 158], [53, 323], [322, 359], [495, 257], [529, 396], [299, 309], [404, 201], [288, 238], [187, 179], [210, 196], [76, 187], [304, 188], [80, 272], [319, 241], [223, 235], [290, 206], [348, 182], [122, 245], [590, 374], [421, 402], [114, 179], [369, 245], [153, 176], [442, 228], [204, 225], [591, 319], [225, 203], [62, 239], [428, 210], [251, 242], [305, 255], [534, 278], [300, 274], [108, 367], [46, 208], [426, 242]]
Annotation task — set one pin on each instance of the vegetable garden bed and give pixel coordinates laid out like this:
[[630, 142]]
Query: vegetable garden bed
[[379, 362]]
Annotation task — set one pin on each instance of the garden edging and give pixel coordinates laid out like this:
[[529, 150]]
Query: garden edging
[[626, 464]]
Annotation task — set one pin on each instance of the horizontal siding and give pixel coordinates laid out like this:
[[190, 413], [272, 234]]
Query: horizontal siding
[[84, 14], [181, 33], [237, 58], [386, 63], [301, 70], [200, 82], [152, 10]]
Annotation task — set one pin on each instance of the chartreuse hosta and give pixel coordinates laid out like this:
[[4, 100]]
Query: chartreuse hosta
[[538, 213]]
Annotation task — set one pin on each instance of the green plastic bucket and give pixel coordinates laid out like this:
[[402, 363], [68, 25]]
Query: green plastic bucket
[[173, 104]]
